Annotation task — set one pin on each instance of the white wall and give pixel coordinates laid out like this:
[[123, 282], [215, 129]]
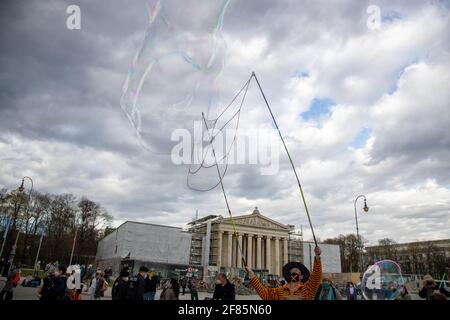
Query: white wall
[[331, 257], [147, 242]]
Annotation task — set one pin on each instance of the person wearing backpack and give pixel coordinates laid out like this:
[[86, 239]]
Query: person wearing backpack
[[12, 280]]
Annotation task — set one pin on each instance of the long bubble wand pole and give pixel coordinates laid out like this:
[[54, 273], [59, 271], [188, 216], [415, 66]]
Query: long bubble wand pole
[[223, 190], [289, 156]]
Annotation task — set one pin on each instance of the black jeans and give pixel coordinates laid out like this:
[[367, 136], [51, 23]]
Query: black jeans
[[6, 295], [194, 295]]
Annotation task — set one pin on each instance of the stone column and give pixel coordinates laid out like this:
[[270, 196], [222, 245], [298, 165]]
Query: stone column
[[230, 249], [249, 250], [268, 258], [233, 250], [238, 251], [258, 251], [285, 256], [277, 256], [219, 248]]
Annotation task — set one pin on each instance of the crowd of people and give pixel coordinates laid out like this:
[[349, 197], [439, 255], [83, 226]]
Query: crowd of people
[[62, 283]]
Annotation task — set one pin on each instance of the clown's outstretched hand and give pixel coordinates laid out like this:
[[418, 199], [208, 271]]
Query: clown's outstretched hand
[[250, 272], [317, 251]]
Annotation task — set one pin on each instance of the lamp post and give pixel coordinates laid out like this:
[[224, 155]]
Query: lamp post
[[14, 247], [365, 208], [74, 207]]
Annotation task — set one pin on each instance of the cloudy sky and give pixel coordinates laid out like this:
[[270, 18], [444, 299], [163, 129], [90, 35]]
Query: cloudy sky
[[363, 103]]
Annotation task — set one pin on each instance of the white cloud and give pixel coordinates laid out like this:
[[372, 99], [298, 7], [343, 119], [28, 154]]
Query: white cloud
[[61, 122]]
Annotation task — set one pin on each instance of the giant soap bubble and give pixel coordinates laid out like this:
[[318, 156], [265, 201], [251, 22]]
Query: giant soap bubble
[[382, 281], [173, 76]]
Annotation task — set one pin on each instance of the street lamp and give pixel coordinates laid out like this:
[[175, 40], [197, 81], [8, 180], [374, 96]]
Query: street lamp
[[366, 209], [75, 208], [14, 247]]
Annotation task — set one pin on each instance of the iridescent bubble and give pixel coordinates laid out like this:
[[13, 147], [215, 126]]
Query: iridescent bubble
[[382, 281], [173, 76]]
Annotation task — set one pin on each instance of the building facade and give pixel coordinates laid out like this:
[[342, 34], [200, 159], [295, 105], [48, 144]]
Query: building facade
[[254, 239], [212, 244], [421, 257], [263, 244]]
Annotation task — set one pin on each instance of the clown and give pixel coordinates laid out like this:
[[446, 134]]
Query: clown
[[301, 285]]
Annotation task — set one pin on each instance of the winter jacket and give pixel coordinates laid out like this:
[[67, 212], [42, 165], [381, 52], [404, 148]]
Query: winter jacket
[[120, 290], [99, 288], [226, 292], [60, 288], [150, 284], [425, 293], [140, 288], [336, 294]]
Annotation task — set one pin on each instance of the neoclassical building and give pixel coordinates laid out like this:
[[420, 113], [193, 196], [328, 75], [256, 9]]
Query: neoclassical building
[[210, 245], [261, 241]]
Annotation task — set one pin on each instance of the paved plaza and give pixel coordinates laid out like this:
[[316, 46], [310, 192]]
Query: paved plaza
[[24, 293]]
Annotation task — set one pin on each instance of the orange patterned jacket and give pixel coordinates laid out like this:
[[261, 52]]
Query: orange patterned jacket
[[306, 291]]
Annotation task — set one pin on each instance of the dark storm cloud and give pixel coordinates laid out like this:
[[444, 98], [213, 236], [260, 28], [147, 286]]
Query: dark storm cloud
[[61, 121]]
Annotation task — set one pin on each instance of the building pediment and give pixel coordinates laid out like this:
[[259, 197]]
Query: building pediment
[[257, 220]]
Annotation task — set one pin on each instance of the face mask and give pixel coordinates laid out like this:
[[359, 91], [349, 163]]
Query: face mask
[[326, 285], [295, 277]]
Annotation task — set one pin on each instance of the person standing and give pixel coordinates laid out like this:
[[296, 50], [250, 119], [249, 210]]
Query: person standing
[[46, 292], [327, 291], [224, 289], [300, 284], [72, 287], [101, 286], [150, 287], [139, 286], [147, 281], [89, 275], [108, 273], [120, 288], [183, 286], [351, 291], [93, 285], [430, 287], [12, 280], [60, 284], [193, 288], [82, 272]]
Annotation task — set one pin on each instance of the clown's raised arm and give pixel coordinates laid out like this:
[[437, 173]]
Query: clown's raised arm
[[315, 278]]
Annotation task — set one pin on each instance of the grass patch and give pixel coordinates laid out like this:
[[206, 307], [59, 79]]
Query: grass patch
[[27, 272]]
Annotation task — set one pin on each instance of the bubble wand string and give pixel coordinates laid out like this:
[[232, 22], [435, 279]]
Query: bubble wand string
[[289, 156], [221, 176], [223, 190]]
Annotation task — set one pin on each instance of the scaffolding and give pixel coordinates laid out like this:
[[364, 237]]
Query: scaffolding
[[295, 245]]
